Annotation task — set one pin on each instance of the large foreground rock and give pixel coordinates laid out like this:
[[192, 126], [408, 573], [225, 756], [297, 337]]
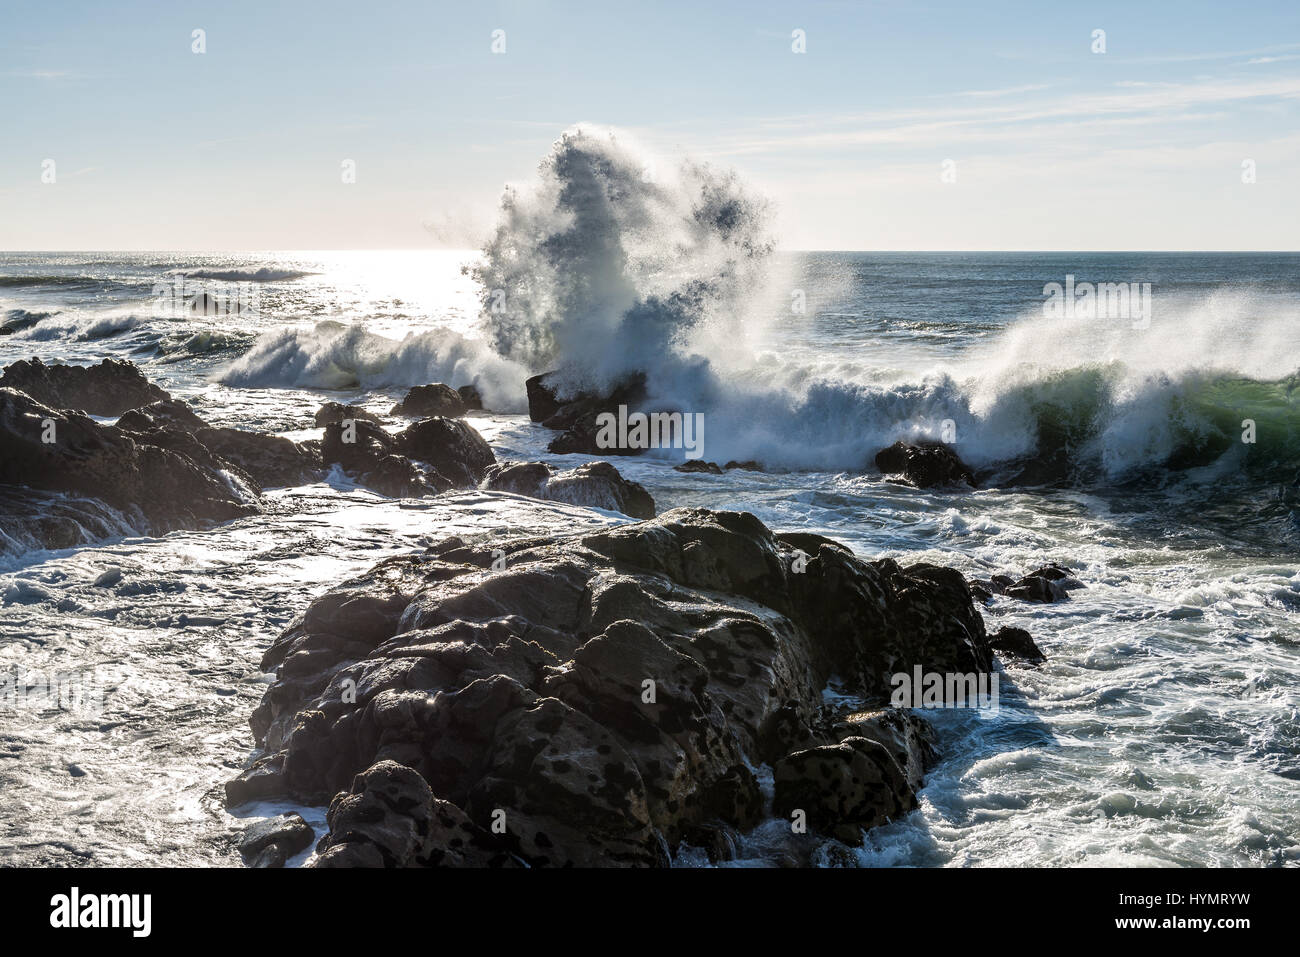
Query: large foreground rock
[[603, 698], [110, 388], [593, 484]]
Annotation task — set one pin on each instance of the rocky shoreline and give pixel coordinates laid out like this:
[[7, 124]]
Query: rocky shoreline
[[620, 697], [606, 698]]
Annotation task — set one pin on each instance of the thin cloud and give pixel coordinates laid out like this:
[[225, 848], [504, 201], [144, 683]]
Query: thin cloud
[[1007, 91]]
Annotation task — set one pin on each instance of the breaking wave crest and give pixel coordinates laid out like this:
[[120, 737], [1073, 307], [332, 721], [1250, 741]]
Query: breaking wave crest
[[334, 355]]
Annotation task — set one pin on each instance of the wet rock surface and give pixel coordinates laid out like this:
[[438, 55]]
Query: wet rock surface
[[1051, 583], [576, 416], [925, 464], [428, 457], [156, 487], [431, 400], [271, 842], [110, 388], [1018, 643], [594, 484], [332, 412], [604, 698]]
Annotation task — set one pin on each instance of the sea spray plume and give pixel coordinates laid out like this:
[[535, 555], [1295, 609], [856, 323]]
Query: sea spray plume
[[600, 269]]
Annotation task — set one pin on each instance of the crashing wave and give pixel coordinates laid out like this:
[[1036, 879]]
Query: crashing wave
[[335, 355]]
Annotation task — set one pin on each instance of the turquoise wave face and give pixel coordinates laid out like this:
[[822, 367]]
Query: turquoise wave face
[[1096, 424]]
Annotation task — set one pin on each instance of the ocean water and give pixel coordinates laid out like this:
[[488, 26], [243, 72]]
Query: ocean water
[[1164, 728]]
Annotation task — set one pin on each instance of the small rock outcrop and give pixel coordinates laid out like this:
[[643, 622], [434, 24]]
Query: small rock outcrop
[[925, 464], [332, 412], [431, 400], [1018, 643], [575, 416], [469, 394], [1051, 583], [271, 842], [593, 484], [428, 457]]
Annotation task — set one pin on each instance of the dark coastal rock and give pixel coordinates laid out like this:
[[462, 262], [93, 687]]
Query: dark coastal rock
[[542, 400], [266, 461], [390, 818], [580, 439], [924, 464], [602, 698], [576, 415], [287, 833], [452, 447], [430, 456], [749, 465], [110, 388], [593, 484], [158, 488], [469, 395], [164, 414], [908, 737], [332, 412], [356, 445], [1051, 583], [698, 465], [843, 788], [1017, 642], [431, 400], [399, 477], [272, 460]]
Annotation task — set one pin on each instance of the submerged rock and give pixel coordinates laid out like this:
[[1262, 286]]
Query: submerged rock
[[593, 484], [601, 698], [110, 388], [1051, 583], [698, 465], [925, 464]]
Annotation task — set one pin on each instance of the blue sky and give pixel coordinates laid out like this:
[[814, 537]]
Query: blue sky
[[1054, 146]]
